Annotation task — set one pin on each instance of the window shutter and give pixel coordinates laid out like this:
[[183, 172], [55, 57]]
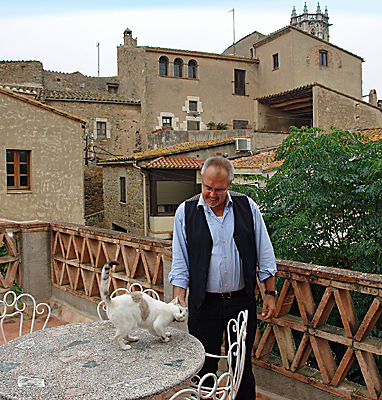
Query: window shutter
[[108, 130], [95, 130]]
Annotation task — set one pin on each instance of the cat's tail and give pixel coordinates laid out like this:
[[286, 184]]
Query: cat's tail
[[105, 281]]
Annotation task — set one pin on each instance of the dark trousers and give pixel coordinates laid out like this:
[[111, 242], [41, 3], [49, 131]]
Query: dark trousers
[[208, 324]]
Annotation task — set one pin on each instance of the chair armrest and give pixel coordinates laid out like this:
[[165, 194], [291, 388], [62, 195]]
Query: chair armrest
[[215, 356]]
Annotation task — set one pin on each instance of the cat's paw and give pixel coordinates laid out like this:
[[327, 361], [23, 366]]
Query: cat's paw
[[165, 339], [126, 347], [168, 334], [131, 339]]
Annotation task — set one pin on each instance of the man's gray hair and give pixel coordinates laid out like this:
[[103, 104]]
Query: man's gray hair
[[219, 162]]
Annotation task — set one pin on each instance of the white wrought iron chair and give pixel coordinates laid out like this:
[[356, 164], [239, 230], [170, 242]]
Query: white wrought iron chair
[[21, 307], [101, 307], [225, 386]]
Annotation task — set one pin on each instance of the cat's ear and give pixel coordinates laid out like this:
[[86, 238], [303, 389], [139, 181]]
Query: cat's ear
[[177, 302]]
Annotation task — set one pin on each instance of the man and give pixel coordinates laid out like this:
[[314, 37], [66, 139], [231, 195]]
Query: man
[[219, 238]]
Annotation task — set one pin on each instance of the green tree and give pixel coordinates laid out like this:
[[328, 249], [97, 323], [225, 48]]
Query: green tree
[[324, 203]]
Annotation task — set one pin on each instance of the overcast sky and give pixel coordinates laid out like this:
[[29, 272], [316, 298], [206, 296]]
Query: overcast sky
[[63, 34]]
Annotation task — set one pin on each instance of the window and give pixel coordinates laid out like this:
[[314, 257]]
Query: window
[[163, 64], [276, 61], [166, 121], [178, 65], [122, 189], [18, 169], [239, 82], [112, 89], [192, 105], [101, 130], [192, 69], [193, 125], [323, 58], [240, 124]]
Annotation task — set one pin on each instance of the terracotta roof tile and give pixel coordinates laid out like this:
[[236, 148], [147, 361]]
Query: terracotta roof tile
[[374, 134], [174, 163], [265, 161], [77, 95], [21, 89], [170, 150]]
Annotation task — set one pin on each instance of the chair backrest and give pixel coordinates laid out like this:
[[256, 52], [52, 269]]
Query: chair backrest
[[101, 307], [22, 307], [236, 350], [226, 386]]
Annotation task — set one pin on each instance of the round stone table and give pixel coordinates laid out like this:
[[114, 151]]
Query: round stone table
[[83, 361]]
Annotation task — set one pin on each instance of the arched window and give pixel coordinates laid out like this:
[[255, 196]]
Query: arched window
[[178, 66], [192, 69], [163, 66]]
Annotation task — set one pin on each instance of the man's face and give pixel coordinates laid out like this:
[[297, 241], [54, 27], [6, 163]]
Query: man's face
[[215, 185]]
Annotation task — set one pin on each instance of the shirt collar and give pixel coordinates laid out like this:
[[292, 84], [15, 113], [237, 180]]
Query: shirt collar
[[202, 203]]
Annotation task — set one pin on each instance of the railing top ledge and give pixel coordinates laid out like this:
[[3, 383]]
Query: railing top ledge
[[28, 225], [329, 273], [121, 236]]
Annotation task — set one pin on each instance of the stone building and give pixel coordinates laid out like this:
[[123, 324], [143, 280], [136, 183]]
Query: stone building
[[40, 161], [113, 126], [143, 190]]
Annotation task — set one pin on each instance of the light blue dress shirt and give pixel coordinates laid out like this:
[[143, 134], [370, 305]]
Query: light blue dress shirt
[[225, 270]]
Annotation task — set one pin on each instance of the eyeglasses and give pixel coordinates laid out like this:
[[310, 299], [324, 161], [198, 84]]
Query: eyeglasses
[[217, 191]]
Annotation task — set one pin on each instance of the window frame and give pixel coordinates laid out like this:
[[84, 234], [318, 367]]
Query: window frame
[[192, 64], [276, 61], [166, 123], [178, 68], [17, 174], [239, 124], [122, 190], [163, 66], [194, 107], [100, 124], [239, 82], [323, 58]]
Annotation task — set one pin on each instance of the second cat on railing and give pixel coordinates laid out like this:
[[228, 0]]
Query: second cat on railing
[[138, 310]]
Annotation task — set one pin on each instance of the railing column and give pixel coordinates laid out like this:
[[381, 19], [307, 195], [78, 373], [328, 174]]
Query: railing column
[[35, 260]]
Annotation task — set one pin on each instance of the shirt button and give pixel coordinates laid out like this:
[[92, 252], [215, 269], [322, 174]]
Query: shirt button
[[225, 285], [222, 226], [225, 256], [223, 241], [225, 272]]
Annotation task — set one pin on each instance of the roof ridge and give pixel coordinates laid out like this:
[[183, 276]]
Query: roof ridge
[[42, 105]]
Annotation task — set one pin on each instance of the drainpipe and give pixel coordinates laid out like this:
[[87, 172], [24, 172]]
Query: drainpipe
[[144, 197]]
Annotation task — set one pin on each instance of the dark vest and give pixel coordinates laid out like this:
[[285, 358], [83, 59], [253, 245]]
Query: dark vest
[[199, 247]]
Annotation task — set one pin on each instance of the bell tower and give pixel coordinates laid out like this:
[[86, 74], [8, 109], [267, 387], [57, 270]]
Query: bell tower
[[316, 24]]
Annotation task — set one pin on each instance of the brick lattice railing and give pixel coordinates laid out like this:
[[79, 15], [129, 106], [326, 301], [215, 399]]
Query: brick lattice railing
[[297, 343], [300, 330], [79, 253], [10, 260]]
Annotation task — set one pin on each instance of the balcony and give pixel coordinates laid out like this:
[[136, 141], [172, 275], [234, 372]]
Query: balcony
[[62, 264]]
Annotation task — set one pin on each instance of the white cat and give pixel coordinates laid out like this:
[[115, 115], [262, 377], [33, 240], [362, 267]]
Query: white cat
[[138, 310]]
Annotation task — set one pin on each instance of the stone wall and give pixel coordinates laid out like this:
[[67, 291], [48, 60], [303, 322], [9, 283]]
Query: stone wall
[[124, 123], [28, 73], [343, 112], [129, 216], [76, 81], [124, 120], [93, 191], [259, 140], [55, 143]]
